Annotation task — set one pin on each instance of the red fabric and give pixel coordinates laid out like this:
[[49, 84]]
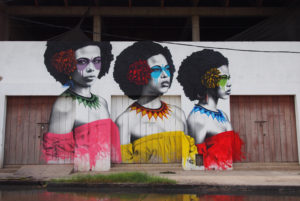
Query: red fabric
[[115, 144], [94, 142], [99, 140], [221, 150], [201, 148], [58, 146], [221, 198]]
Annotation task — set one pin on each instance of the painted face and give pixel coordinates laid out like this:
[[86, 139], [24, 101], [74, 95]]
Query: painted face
[[224, 88], [160, 76], [88, 65]]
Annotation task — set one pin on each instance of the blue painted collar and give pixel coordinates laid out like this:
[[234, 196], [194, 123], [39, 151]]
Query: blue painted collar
[[215, 115]]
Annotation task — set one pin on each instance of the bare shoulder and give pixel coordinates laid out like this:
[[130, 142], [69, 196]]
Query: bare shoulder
[[63, 115], [196, 123], [177, 110], [228, 124], [63, 104], [124, 117], [196, 119], [124, 126], [226, 116], [102, 101]]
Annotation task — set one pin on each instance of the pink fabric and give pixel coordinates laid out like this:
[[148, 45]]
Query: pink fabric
[[115, 144], [58, 147], [98, 140]]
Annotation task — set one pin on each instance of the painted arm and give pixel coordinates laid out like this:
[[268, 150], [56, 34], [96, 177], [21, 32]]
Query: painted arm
[[228, 124], [181, 117], [62, 116], [196, 128], [126, 147], [58, 143], [105, 112], [123, 124]]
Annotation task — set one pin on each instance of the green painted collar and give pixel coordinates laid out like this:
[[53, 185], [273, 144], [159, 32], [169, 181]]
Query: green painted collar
[[92, 102]]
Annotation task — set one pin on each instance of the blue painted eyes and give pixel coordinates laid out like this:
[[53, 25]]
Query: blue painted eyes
[[157, 70]]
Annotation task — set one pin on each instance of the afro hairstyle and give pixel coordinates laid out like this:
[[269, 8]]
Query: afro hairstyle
[[55, 47], [139, 51], [194, 67]]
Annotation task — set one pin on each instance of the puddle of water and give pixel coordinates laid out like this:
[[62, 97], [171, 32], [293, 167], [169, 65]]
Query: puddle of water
[[44, 195]]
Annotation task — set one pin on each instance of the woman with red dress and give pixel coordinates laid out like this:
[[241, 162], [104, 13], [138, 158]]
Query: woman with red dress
[[205, 78]]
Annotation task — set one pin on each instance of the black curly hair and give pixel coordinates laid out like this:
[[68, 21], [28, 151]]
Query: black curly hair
[[54, 47], [194, 67], [139, 51]]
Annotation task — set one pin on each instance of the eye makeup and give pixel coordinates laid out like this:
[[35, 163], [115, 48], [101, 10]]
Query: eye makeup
[[157, 70], [83, 62]]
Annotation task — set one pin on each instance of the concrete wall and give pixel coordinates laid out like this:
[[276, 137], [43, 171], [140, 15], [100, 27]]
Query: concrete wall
[[253, 73]]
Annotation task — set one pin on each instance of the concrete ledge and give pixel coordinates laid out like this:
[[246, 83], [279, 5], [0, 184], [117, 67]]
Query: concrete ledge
[[176, 188], [151, 188], [23, 183]]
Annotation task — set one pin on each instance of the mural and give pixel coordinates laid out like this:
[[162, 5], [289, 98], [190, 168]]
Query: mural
[[151, 130], [80, 128], [205, 78]]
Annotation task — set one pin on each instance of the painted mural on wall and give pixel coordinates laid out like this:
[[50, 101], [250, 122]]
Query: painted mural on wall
[[80, 128], [205, 78], [149, 130]]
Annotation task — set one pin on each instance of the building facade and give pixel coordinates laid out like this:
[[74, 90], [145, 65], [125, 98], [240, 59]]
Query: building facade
[[263, 105]]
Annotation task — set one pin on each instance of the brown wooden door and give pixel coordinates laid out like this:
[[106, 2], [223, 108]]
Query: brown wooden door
[[26, 121], [268, 127]]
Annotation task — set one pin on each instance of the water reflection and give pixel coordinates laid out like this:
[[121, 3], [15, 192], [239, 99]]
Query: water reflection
[[44, 195]]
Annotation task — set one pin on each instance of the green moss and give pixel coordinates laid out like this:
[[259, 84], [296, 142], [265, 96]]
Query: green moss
[[125, 177]]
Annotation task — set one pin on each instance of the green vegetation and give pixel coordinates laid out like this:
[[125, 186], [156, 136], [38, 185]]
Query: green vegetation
[[125, 177]]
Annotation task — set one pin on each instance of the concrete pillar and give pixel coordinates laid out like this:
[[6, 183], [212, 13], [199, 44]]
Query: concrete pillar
[[97, 28], [195, 28], [4, 24]]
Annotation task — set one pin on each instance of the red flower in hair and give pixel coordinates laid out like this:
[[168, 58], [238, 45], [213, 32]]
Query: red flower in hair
[[139, 72], [64, 61]]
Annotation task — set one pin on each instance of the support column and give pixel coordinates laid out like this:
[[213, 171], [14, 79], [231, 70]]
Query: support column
[[195, 28], [4, 24], [97, 28]]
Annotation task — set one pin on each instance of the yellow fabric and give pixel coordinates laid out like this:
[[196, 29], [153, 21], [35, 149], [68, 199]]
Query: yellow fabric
[[165, 147]]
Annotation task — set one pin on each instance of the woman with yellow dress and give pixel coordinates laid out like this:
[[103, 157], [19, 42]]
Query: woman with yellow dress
[[151, 131]]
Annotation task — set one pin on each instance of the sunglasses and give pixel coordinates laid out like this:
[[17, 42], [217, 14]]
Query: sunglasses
[[82, 63]]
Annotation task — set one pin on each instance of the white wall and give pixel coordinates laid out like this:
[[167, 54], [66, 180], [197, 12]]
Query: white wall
[[253, 73]]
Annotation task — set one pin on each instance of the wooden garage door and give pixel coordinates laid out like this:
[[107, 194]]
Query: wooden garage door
[[268, 127], [26, 121]]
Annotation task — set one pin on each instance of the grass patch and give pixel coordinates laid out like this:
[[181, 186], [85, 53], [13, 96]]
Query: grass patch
[[124, 177]]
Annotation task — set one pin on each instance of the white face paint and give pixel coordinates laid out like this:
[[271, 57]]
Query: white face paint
[[160, 76], [224, 90], [88, 65]]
